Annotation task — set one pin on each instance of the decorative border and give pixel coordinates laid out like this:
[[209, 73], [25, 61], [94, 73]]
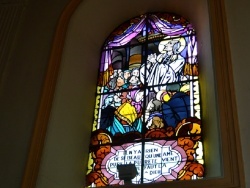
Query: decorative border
[[231, 147]]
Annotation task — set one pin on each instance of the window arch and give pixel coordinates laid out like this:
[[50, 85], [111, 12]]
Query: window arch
[[147, 120]]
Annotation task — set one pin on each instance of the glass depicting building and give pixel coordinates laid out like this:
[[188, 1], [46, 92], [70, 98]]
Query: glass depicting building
[[147, 119]]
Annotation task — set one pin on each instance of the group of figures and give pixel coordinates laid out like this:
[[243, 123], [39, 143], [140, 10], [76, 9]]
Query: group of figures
[[148, 90], [156, 93]]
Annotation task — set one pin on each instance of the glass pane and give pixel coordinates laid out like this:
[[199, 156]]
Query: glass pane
[[147, 119]]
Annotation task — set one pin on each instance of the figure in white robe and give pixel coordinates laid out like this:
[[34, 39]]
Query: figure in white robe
[[166, 67]]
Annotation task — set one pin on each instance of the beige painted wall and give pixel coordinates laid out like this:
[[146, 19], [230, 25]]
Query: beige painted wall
[[23, 74], [22, 78], [238, 27]]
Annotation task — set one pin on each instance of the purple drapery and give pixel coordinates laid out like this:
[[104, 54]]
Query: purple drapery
[[119, 41], [167, 28], [159, 25]]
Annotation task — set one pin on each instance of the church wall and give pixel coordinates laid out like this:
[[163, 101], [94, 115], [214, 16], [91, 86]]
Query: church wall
[[23, 68]]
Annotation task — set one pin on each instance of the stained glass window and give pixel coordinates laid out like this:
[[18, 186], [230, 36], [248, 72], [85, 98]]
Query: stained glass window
[[147, 118]]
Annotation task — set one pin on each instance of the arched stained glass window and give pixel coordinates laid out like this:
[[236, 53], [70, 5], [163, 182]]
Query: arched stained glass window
[[147, 119]]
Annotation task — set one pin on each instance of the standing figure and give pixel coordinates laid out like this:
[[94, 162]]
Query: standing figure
[[110, 104], [166, 67]]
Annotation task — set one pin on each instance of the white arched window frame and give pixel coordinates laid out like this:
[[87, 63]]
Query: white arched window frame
[[225, 146]]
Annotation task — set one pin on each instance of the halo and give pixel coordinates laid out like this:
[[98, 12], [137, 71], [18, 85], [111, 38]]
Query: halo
[[164, 42]]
